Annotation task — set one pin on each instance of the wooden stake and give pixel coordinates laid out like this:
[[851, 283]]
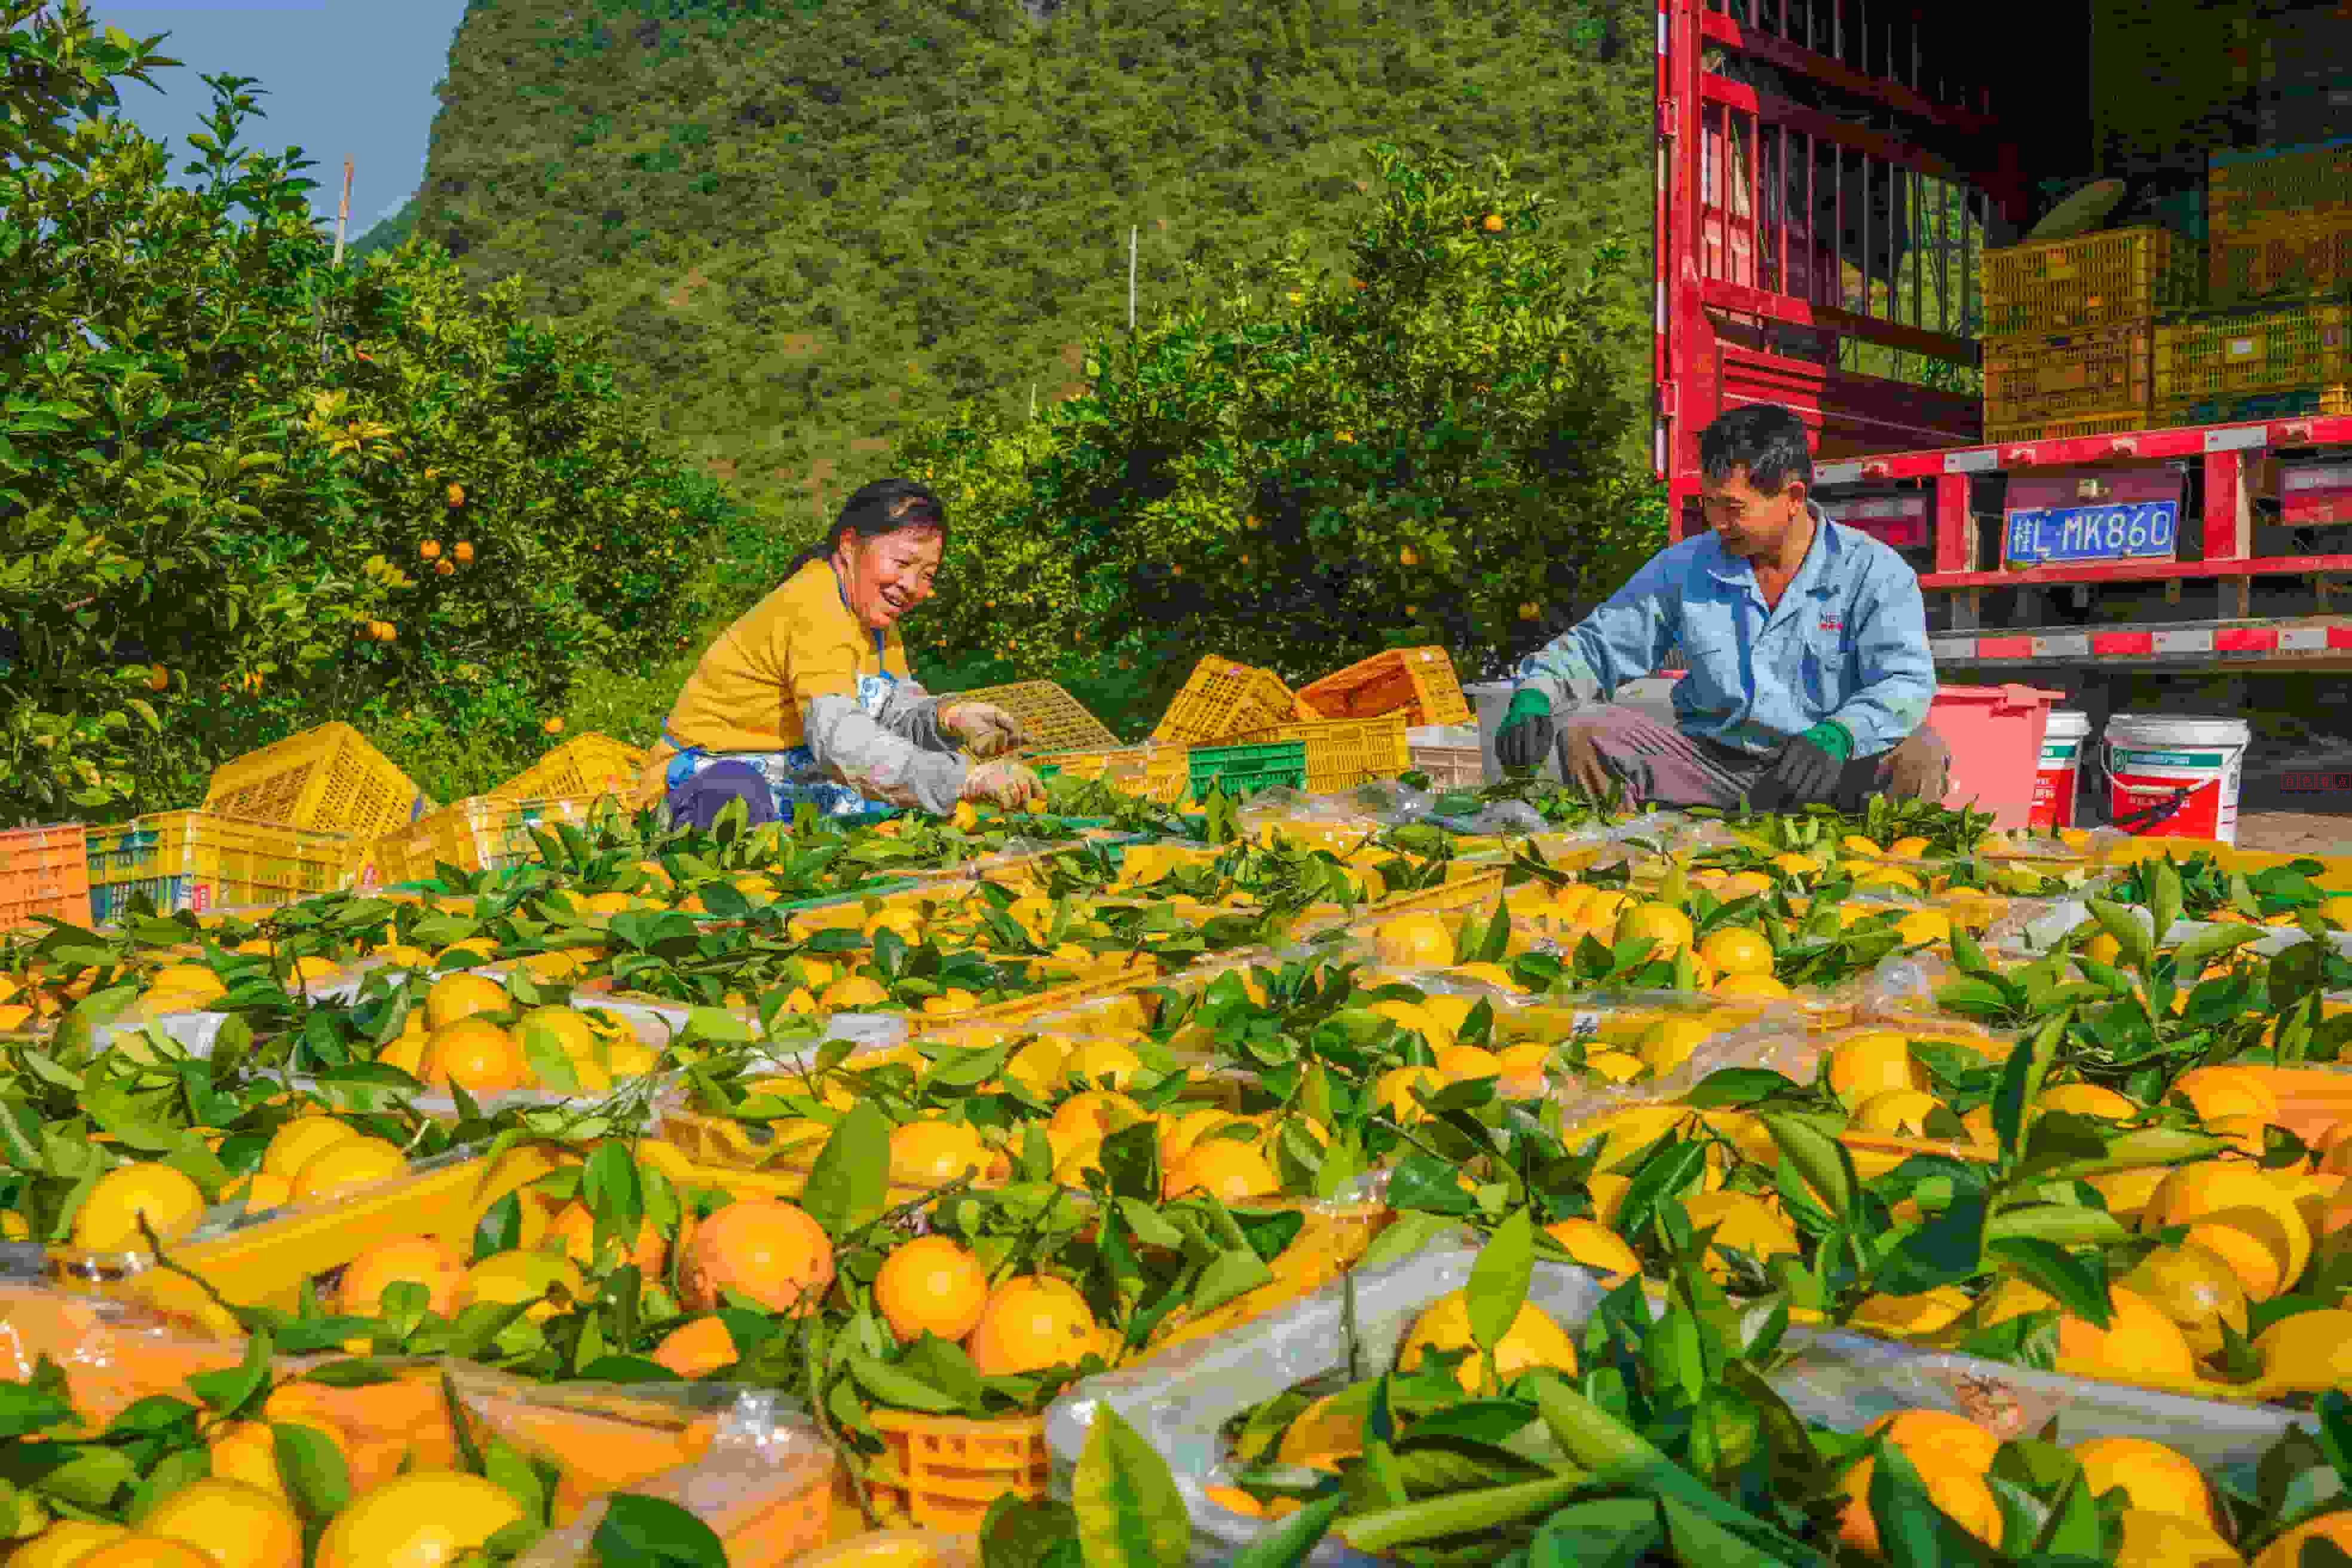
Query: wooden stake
[[1131, 232], [343, 211]]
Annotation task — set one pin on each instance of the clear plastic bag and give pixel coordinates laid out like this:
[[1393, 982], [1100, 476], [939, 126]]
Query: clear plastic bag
[[1180, 1400]]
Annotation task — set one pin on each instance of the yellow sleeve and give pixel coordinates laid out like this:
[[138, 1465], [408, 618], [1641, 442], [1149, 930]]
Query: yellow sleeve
[[754, 686]]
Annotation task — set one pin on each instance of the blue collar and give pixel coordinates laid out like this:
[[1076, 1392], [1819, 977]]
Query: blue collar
[[1814, 573]]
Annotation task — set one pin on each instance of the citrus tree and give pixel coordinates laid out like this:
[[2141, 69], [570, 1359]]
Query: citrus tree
[[243, 491], [1436, 448]]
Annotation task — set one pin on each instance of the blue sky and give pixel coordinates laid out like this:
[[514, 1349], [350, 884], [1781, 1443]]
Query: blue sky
[[338, 78]]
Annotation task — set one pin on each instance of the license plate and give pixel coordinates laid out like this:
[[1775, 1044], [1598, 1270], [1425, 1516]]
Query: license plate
[[2120, 531]]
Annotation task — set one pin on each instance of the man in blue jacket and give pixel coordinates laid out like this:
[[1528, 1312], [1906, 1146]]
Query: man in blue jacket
[[1810, 678]]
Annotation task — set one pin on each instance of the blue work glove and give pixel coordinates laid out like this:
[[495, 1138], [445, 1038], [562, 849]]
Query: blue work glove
[[1524, 741], [1805, 770]]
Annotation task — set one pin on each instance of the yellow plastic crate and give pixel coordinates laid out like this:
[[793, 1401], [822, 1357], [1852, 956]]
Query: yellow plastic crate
[[2244, 189], [2119, 276], [1418, 682], [1344, 752], [329, 778], [1054, 719], [486, 833], [203, 861], [2098, 372], [2067, 429], [2283, 256], [592, 766], [1158, 772], [2252, 349], [1225, 697]]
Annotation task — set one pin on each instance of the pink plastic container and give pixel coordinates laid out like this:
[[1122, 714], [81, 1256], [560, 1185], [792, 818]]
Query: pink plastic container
[[1995, 735]]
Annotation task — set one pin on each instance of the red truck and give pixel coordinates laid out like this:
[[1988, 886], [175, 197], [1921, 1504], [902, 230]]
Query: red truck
[[1830, 172]]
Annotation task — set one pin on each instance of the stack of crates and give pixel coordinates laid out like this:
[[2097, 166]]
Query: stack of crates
[[2273, 343], [2070, 329]]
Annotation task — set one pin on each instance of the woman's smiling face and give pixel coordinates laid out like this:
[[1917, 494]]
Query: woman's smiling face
[[888, 574]]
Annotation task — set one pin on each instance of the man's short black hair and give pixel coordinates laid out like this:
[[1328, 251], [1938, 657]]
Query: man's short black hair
[[1765, 438]]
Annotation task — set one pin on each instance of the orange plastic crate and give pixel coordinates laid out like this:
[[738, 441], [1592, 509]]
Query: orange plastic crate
[[1054, 719], [1223, 699], [329, 778], [1418, 682], [592, 766], [44, 871], [1344, 752], [943, 1471]]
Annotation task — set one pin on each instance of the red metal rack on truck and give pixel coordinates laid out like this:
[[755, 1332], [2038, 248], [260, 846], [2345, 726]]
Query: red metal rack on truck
[[1828, 176]]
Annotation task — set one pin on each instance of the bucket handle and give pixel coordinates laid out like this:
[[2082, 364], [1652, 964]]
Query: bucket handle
[[2148, 816]]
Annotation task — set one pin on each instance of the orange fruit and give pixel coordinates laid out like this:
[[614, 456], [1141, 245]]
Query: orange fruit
[[2138, 1344], [1393, 1090], [698, 1349], [464, 550], [574, 1225], [851, 992], [1896, 1113], [245, 1451], [1737, 950], [1667, 928], [475, 1055], [514, 1276], [2194, 1286], [1414, 941], [2231, 1208], [1224, 1168], [64, 1543], [764, 1250], [144, 1551], [2310, 1351], [1949, 1451], [455, 997], [2088, 1099], [2219, 1091], [167, 1197], [934, 1154], [1533, 1340], [1463, 1062], [2286, 1551], [2154, 1477], [239, 1525], [1868, 1064], [425, 1260], [347, 1165], [1031, 1323], [931, 1285], [417, 1520], [1104, 1063], [1596, 1246], [1740, 1221], [430, 550]]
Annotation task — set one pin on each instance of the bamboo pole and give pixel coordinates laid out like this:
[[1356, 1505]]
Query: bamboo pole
[[343, 211], [1131, 231]]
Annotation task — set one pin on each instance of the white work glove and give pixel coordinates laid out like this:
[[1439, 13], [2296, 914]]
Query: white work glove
[[986, 730], [1009, 786]]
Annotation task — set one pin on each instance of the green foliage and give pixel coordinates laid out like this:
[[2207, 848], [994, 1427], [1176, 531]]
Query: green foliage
[[221, 459], [1428, 450], [813, 227]]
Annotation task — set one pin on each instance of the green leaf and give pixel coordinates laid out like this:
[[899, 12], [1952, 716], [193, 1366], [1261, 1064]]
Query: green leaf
[[850, 1183], [656, 1532], [1290, 1541], [2131, 937], [1497, 1288], [1823, 1161], [888, 1385], [1130, 1514], [2079, 1285]]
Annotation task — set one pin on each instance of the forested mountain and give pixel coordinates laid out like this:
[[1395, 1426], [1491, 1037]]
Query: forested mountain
[[806, 222]]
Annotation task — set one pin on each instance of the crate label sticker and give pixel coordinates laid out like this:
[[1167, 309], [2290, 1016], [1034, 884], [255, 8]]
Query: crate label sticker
[[2241, 347], [200, 899]]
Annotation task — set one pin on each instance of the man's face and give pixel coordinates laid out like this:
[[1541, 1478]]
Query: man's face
[[1747, 521]]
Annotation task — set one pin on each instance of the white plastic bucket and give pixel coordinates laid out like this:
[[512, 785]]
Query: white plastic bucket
[[2053, 781], [2175, 778]]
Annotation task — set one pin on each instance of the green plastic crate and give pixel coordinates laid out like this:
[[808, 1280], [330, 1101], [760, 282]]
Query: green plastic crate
[[1245, 770]]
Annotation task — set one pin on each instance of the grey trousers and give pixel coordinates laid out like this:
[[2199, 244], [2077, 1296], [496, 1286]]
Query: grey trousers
[[1607, 744]]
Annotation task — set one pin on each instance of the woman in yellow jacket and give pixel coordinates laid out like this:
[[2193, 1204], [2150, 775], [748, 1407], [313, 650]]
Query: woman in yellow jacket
[[809, 697]]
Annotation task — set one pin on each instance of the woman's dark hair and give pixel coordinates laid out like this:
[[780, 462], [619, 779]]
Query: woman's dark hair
[[885, 506], [1765, 438]]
